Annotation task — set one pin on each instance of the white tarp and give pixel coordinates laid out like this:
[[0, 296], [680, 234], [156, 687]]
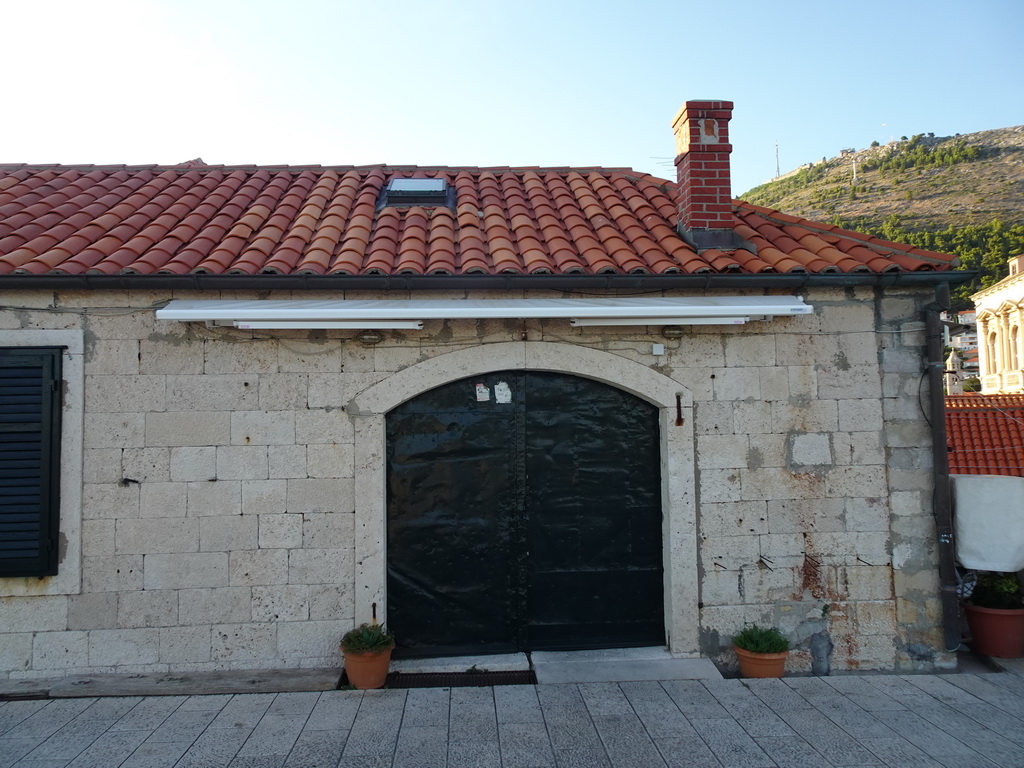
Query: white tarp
[[989, 514]]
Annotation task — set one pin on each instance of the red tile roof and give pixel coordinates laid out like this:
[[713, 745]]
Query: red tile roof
[[198, 219], [985, 434]]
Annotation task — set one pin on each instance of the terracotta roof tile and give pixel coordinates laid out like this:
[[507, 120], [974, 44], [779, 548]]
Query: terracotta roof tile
[[750, 263], [313, 220], [985, 434]]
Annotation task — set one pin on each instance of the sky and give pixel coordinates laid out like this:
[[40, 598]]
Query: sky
[[482, 82]]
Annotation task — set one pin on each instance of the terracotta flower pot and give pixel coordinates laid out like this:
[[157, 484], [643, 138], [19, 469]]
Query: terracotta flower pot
[[367, 670], [761, 664], [996, 632]]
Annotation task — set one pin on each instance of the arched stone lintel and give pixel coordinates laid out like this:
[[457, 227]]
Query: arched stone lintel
[[594, 364]]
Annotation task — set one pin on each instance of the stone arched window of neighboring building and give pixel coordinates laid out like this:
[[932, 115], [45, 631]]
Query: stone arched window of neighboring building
[[991, 360], [1015, 348]]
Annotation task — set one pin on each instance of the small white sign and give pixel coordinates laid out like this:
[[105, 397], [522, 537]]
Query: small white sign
[[482, 393], [502, 392]]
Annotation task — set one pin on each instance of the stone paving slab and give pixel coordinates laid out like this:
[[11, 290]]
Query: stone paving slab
[[1011, 665], [177, 684], [618, 665], [501, 662], [884, 721], [185, 684]]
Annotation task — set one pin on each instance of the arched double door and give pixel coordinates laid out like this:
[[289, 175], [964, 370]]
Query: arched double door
[[524, 513]]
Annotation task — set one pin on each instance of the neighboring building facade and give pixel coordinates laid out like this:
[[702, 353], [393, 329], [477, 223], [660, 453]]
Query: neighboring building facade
[[520, 409], [967, 337], [1000, 310], [962, 362]]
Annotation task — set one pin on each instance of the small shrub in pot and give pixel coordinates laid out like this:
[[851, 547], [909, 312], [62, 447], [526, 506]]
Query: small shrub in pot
[[995, 614], [761, 651], [367, 650]]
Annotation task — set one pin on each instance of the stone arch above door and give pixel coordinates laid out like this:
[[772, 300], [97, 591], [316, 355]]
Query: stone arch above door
[[367, 411]]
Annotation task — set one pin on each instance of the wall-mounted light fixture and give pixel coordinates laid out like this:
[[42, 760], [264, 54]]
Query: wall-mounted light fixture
[[370, 337]]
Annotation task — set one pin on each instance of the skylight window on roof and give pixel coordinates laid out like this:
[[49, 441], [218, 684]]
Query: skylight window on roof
[[403, 186], [417, 192]]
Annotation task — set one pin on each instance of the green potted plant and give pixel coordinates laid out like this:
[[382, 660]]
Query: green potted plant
[[367, 651], [761, 651], [995, 614]]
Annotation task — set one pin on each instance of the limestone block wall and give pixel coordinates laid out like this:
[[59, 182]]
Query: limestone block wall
[[218, 481], [815, 476]]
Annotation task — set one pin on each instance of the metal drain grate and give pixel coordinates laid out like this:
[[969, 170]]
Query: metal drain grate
[[454, 679]]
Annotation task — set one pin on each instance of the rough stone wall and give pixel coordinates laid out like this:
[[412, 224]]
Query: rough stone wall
[[218, 482], [815, 477]]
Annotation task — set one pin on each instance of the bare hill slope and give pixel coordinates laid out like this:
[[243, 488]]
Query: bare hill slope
[[929, 182]]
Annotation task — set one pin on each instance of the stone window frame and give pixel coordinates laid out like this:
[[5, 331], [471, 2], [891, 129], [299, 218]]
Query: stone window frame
[[368, 410], [68, 580]]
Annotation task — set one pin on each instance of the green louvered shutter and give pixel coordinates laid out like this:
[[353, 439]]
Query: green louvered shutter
[[30, 389]]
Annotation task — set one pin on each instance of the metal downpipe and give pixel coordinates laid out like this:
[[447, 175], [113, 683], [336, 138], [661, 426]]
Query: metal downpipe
[[941, 500]]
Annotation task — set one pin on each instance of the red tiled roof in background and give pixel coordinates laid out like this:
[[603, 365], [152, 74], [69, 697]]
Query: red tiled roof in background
[[192, 218], [985, 434]]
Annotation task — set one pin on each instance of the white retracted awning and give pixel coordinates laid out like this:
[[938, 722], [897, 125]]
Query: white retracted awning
[[370, 313]]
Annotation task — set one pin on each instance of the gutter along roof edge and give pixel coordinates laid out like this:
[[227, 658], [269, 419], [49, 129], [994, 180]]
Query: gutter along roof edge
[[473, 282]]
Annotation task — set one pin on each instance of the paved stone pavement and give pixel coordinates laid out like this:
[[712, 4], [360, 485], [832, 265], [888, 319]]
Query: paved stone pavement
[[913, 721]]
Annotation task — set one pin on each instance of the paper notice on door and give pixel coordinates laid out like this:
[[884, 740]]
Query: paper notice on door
[[483, 393], [502, 392]]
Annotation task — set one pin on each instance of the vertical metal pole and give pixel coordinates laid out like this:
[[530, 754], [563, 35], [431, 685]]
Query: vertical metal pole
[[941, 503]]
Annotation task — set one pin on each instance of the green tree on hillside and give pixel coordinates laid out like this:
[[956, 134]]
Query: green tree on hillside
[[985, 248], [914, 153]]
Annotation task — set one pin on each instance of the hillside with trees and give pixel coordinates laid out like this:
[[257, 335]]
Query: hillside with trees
[[955, 194]]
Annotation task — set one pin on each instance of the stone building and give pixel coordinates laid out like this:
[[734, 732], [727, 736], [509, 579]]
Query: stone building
[[1000, 315], [505, 408]]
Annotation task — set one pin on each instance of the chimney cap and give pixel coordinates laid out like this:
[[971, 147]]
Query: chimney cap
[[706, 104], [722, 109]]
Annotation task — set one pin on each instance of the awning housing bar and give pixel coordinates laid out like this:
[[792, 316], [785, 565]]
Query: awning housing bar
[[369, 313]]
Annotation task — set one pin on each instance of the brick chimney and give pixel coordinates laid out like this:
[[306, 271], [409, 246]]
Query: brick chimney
[[702, 169]]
